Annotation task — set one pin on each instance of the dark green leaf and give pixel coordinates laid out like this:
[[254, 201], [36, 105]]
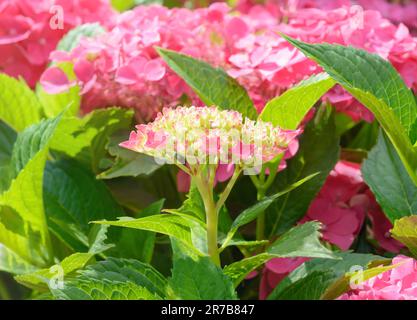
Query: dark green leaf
[[318, 152], [213, 86], [385, 174]]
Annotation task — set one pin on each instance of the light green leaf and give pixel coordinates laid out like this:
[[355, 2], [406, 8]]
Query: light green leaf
[[85, 138], [169, 224], [23, 226], [40, 280], [374, 82], [213, 86], [289, 109], [10, 262], [115, 279], [30, 142], [19, 107], [72, 38], [385, 174], [54, 104], [405, 231], [146, 239], [318, 152]]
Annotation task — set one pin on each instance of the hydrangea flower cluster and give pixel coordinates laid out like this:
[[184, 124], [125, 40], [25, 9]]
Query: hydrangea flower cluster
[[122, 67], [341, 206], [267, 64], [206, 135], [399, 283], [31, 30]]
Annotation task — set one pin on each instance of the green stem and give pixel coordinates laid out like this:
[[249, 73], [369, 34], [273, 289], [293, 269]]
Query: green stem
[[260, 221], [226, 192], [211, 219]]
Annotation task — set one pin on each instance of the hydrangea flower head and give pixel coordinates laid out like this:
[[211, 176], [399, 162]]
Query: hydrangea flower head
[[208, 135], [30, 31]]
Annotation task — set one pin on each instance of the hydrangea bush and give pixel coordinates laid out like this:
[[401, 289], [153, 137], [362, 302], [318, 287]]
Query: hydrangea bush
[[208, 150]]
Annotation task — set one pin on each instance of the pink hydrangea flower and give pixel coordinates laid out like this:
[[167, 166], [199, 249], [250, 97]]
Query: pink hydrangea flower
[[341, 206], [399, 283], [280, 66], [26, 35], [194, 136]]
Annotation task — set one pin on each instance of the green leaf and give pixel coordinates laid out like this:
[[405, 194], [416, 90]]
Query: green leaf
[[7, 139], [385, 174], [213, 85], [311, 287], [73, 198], [19, 106], [405, 231], [85, 139], [193, 205], [289, 109], [115, 279], [318, 152], [40, 280], [253, 212], [300, 241], [328, 269], [30, 142], [72, 38], [54, 104], [168, 224], [374, 82], [10, 262], [23, 226], [146, 239], [200, 279], [127, 162]]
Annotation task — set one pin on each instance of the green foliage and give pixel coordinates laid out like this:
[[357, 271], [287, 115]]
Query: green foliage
[[213, 86], [23, 225], [73, 197], [40, 280], [115, 279], [388, 179], [127, 163], [19, 106], [289, 109], [70, 101], [85, 138], [200, 279], [169, 224], [318, 152], [300, 241], [311, 279], [374, 82], [405, 231]]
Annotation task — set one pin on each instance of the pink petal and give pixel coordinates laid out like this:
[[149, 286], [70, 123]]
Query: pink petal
[[154, 70], [54, 81]]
